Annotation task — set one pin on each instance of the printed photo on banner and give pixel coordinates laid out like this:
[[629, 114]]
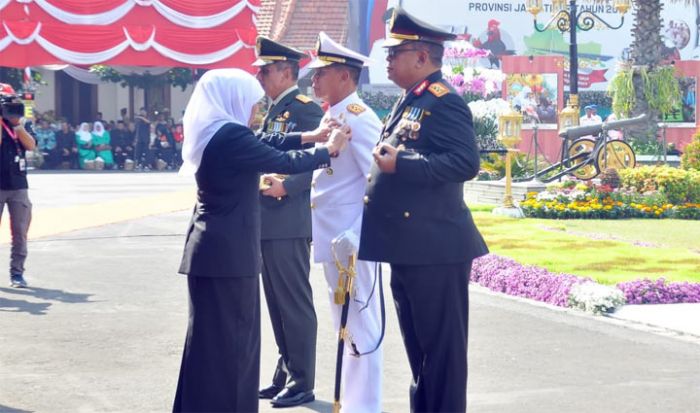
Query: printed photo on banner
[[685, 111], [534, 95]]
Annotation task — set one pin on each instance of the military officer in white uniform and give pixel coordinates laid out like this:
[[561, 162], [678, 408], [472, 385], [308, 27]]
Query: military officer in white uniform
[[336, 213]]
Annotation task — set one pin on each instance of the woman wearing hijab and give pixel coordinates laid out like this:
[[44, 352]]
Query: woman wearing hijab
[[101, 139], [86, 150], [221, 359]]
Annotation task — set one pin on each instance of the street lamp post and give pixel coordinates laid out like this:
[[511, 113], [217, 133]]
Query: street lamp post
[[509, 128], [570, 20]]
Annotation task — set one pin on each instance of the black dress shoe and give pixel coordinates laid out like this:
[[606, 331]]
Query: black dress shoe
[[290, 398], [269, 392]]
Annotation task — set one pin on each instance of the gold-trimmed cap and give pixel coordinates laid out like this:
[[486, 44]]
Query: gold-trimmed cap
[[404, 27], [329, 52], [269, 51]]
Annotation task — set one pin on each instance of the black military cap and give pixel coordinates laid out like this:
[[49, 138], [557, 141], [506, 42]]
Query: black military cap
[[404, 27], [269, 51]]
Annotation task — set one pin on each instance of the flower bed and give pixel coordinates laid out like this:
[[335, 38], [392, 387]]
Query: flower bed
[[507, 276], [660, 292], [579, 200]]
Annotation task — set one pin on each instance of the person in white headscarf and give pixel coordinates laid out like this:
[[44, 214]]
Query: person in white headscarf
[[101, 139], [86, 150], [221, 359]]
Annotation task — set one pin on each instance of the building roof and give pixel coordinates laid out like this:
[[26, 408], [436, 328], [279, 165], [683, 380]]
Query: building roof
[[297, 22]]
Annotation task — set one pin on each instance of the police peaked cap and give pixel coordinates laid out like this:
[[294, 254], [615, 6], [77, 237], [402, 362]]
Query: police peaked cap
[[404, 27], [269, 51]]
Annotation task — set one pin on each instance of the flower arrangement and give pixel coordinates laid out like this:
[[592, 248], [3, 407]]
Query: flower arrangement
[[578, 200], [595, 298], [485, 117], [678, 185], [473, 83]]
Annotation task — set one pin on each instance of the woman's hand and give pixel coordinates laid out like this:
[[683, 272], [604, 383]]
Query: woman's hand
[[338, 139], [322, 133]]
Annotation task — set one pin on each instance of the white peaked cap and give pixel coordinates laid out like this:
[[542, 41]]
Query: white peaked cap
[[329, 52]]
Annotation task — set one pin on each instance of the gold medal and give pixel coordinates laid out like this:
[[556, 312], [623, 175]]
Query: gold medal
[[329, 171]]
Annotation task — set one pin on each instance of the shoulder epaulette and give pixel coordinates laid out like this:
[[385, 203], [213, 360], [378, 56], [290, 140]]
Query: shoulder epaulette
[[303, 98], [438, 89], [356, 109]]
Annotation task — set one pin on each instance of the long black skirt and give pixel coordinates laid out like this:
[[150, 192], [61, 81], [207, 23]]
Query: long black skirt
[[221, 361]]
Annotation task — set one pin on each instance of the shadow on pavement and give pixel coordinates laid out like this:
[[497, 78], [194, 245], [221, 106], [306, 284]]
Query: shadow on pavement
[[6, 409], [22, 306], [49, 294], [320, 406]]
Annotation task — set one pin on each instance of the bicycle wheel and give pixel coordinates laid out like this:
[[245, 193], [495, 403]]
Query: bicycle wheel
[[583, 145], [615, 155]]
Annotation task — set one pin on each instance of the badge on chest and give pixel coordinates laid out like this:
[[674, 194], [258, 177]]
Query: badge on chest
[[410, 124], [280, 123]]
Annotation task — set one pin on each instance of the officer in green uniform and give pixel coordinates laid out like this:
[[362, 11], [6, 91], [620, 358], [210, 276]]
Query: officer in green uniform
[[286, 232], [415, 217]]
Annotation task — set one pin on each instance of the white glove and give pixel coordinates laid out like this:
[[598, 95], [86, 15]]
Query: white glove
[[345, 244]]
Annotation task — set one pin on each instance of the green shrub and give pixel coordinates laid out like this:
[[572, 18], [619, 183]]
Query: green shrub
[[691, 154], [677, 185]]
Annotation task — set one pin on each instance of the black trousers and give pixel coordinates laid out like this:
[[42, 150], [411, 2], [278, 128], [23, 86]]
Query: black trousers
[[220, 370], [432, 303], [285, 276]]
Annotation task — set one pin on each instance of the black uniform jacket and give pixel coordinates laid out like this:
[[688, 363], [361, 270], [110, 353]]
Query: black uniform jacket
[[13, 162], [290, 216], [223, 239], [417, 216]]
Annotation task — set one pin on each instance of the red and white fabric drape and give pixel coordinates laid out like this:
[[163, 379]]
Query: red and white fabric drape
[[205, 33]]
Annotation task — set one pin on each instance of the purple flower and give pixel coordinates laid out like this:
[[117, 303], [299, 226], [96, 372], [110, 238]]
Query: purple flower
[[646, 291], [508, 276]]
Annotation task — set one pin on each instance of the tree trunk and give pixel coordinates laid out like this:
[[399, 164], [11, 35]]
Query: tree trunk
[[645, 52]]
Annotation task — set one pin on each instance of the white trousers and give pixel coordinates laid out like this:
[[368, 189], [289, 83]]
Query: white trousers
[[361, 389]]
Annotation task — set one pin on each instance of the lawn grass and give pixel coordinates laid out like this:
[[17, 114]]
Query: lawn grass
[[608, 251]]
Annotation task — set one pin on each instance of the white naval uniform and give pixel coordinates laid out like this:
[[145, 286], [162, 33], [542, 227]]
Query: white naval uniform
[[337, 202]]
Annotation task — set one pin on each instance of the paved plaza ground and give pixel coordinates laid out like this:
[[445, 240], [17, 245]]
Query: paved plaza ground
[[102, 325]]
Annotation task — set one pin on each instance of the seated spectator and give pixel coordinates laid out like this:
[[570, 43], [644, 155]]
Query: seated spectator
[[66, 147], [123, 144], [101, 139], [46, 144], [178, 137], [86, 150], [166, 145]]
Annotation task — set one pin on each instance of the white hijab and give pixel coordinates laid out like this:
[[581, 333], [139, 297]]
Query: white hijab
[[221, 96], [98, 128], [84, 135]]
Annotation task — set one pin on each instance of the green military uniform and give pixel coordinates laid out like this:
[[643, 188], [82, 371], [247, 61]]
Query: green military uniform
[[285, 240]]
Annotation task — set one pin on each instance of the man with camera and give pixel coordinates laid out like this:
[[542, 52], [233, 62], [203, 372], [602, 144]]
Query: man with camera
[[15, 141]]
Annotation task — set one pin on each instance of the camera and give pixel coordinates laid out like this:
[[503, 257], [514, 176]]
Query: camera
[[9, 107]]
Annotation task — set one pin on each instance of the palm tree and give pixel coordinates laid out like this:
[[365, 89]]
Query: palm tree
[[646, 54]]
